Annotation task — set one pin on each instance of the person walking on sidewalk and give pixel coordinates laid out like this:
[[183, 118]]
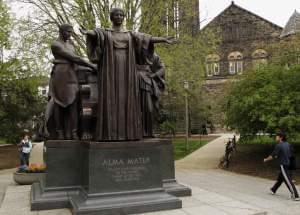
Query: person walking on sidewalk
[[283, 153]]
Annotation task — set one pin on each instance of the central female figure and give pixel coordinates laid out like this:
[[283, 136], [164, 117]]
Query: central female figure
[[118, 53]]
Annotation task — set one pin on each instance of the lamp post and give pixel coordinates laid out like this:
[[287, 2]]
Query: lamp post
[[186, 87]]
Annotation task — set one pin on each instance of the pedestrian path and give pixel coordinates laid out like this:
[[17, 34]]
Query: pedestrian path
[[207, 157], [214, 192], [5, 180]]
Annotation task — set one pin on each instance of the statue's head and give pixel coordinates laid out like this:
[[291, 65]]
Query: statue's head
[[65, 31], [117, 16]]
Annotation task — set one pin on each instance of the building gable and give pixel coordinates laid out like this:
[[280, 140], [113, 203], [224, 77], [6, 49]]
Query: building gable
[[239, 24]]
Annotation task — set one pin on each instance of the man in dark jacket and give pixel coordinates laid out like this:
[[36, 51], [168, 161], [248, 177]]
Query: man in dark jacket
[[283, 153]]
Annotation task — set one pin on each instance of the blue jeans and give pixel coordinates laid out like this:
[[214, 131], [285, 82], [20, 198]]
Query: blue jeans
[[24, 158]]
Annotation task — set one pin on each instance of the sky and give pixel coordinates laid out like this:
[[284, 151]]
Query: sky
[[276, 11]]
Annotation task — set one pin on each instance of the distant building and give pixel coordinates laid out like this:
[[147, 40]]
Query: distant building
[[244, 41], [292, 27], [244, 36]]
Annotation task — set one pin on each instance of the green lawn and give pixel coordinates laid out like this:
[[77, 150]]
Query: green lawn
[[2, 141], [265, 139], [179, 147]]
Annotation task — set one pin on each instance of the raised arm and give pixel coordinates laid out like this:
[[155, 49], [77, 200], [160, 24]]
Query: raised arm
[[86, 32]]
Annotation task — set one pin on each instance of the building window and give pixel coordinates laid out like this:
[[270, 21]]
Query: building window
[[235, 60], [212, 65], [259, 57]]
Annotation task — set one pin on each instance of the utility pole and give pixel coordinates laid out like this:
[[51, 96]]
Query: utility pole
[[186, 87]]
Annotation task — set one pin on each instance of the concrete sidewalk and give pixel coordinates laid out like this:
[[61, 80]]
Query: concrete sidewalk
[[207, 157], [203, 202], [5, 180], [215, 192]]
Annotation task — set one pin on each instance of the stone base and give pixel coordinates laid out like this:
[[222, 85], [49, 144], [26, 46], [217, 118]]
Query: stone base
[[63, 176], [109, 177], [48, 199], [124, 202], [175, 189], [168, 171]]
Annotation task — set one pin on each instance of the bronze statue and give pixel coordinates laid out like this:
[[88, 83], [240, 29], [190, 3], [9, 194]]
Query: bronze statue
[[152, 84], [64, 88], [118, 52]]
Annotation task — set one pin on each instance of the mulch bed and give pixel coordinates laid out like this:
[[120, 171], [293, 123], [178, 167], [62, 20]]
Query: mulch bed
[[249, 160], [9, 157]]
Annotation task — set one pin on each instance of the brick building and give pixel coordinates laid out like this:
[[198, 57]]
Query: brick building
[[244, 41], [244, 37]]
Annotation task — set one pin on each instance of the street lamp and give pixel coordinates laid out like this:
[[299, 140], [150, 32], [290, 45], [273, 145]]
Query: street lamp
[[186, 87]]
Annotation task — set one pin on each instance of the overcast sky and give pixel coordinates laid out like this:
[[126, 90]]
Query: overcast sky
[[276, 11]]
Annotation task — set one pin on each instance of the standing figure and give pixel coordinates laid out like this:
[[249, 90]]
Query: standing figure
[[283, 153], [152, 83], [64, 88], [25, 147], [117, 52]]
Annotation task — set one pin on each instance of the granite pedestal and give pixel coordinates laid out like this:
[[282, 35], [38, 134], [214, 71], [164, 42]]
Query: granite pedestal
[[63, 177], [168, 170], [109, 177], [122, 178]]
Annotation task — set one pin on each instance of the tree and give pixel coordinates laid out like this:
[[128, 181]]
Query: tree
[[5, 26], [184, 61], [265, 100], [19, 99], [267, 97]]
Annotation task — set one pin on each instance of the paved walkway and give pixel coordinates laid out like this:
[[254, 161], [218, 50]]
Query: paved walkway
[[207, 157], [5, 180], [215, 192]]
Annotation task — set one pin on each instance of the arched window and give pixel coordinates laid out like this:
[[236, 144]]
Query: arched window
[[235, 63], [212, 65], [259, 57]]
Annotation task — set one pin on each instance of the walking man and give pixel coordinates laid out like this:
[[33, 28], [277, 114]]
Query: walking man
[[283, 153]]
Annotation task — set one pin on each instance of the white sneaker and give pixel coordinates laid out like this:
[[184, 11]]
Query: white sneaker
[[296, 199], [272, 192]]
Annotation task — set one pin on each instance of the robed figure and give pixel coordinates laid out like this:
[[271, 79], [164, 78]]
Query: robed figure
[[152, 84], [117, 53]]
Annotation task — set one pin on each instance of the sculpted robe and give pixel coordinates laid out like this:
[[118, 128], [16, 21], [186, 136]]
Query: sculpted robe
[[119, 115]]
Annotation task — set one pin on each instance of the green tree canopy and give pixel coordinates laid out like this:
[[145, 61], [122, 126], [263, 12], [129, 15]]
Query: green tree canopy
[[5, 26], [265, 100], [19, 98]]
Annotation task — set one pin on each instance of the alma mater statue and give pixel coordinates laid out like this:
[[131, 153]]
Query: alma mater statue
[[118, 52]]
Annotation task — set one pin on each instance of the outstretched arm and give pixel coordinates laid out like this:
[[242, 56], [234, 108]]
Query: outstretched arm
[[84, 31], [169, 40]]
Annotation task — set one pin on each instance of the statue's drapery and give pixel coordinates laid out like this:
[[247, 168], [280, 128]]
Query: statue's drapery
[[117, 54]]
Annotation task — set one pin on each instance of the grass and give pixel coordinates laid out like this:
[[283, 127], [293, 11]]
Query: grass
[[180, 147], [266, 140], [2, 141]]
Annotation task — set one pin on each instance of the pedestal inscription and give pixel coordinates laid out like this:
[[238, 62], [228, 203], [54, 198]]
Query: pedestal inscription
[[121, 170], [129, 170]]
